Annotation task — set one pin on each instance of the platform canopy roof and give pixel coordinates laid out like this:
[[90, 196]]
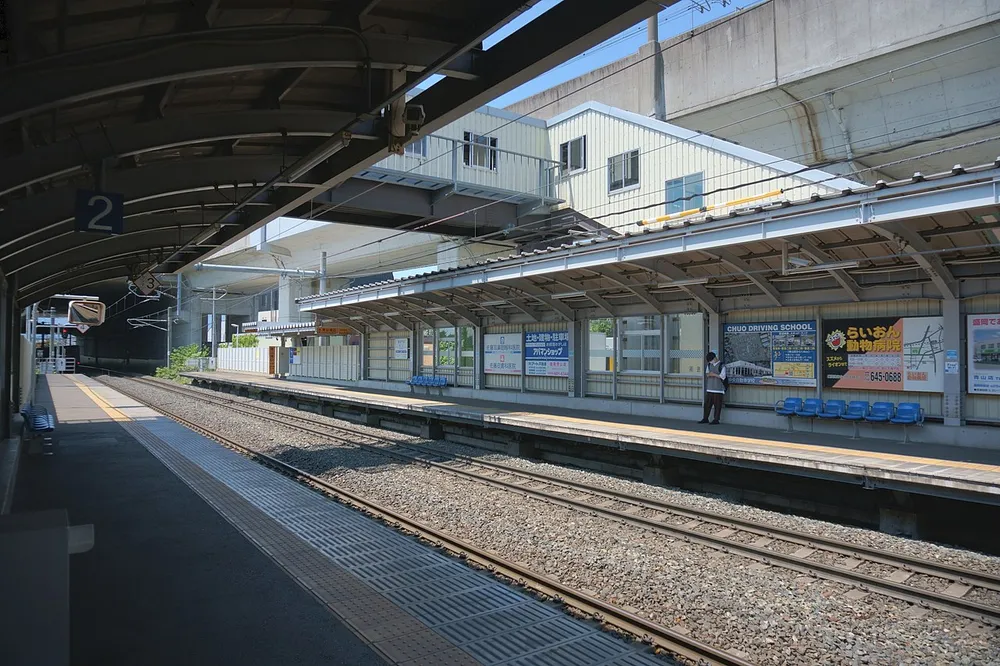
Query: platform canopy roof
[[212, 117], [930, 236]]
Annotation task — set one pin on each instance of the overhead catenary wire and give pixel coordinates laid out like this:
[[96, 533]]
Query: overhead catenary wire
[[410, 258], [422, 226]]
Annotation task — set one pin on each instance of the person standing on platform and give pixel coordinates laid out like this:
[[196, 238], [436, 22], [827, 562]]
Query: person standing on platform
[[715, 387]]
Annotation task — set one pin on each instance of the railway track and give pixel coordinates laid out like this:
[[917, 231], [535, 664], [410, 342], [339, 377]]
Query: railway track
[[751, 539], [673, 642]]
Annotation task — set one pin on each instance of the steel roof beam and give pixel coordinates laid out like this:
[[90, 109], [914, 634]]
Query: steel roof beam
[[86, 74], [423, 305], [620, 279], [458, 309], [670, 273], [496, 312], [74, 280], [545, 298], [47, 212], [66, 260], [589, 294], [499, 294], [913, 245], [821, 257], [119, 141], [559, 34], [729, 258], [79, 247]]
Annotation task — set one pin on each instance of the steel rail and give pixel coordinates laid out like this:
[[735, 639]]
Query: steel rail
[[921, 597], [648, 632]]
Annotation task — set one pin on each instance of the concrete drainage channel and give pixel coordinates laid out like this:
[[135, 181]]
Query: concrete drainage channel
[[857, 503]]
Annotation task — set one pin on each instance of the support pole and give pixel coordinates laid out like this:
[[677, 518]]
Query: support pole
[[659, 92], [6, 312], [952, 350], [214, 324]]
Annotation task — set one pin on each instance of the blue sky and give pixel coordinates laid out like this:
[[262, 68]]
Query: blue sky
[[676, 20]]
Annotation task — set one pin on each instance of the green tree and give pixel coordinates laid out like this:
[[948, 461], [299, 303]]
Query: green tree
[[605, 326], [178, 362], [245, 340]]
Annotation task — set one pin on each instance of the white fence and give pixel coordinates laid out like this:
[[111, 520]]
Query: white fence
[[335, 362], [242, 359]]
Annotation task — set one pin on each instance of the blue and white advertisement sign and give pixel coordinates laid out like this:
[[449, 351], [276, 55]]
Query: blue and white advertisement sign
[[780, 353], [502, 354], [547, 353]]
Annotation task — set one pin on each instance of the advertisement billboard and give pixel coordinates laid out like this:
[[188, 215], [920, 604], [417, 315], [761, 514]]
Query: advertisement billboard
[[401, 348], [502, 353], [884, 354], [546, 354], [983, 335], [781, 353]]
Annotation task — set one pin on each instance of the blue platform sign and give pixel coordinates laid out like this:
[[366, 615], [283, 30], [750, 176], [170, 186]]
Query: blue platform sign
[[100, 212], [546, 353]]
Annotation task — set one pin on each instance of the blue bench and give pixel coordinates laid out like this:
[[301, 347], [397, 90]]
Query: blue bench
[[37, 422], [428, 382], [856, 411]]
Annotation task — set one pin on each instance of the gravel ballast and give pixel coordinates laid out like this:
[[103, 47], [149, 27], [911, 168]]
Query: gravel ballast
[[773, 615]]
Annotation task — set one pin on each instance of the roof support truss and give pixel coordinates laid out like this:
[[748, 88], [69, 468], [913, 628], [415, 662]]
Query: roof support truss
[[840, 275], [670, 272], [729, 258], [623, 280], [913, 245]]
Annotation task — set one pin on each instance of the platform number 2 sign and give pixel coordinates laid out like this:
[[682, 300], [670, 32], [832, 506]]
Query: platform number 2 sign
[[100, 212]]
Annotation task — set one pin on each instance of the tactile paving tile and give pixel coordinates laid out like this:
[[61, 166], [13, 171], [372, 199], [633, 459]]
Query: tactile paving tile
[[492, 622]]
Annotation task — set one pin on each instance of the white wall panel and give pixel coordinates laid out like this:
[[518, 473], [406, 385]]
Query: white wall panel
[[662, 157], [242, 359], [339, 362]]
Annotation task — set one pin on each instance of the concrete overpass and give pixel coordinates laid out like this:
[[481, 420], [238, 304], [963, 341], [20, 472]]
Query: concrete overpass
[[860, 83]]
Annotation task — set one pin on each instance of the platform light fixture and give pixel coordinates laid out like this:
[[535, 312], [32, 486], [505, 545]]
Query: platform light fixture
[[683, 283], [493, 303], [392, 314], [436, 309], [823, 268], [356, 318], [329, 148], [570, 294]]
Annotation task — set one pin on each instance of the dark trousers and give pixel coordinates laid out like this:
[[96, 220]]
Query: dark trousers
[[713, 400]]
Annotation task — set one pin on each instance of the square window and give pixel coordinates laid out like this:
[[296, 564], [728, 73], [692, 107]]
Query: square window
[[623, 171], [686, 193], [479, 151], [573, 156], [416, 148]]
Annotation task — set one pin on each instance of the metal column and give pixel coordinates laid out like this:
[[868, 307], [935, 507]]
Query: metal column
[[952, 353], [6, 357], [478, 383]]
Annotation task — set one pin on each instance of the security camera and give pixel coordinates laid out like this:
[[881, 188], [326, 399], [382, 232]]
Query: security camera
[[414, 117]]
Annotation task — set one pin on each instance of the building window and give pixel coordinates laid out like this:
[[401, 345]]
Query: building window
[[623, 171], [416, 148], [600, 345], [427, 360], [686, 193], [573, 156], [480, 151], [686, 342], [467, 347], [639, 348], [446, 346]]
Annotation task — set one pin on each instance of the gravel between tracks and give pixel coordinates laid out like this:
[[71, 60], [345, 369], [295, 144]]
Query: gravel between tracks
[[773, 615]]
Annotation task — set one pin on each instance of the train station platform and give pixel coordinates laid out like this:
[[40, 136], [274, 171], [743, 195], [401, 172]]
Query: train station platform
[[945, 471], [203, 556]]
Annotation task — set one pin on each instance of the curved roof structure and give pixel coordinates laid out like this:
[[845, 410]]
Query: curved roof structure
[[213, 117]]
